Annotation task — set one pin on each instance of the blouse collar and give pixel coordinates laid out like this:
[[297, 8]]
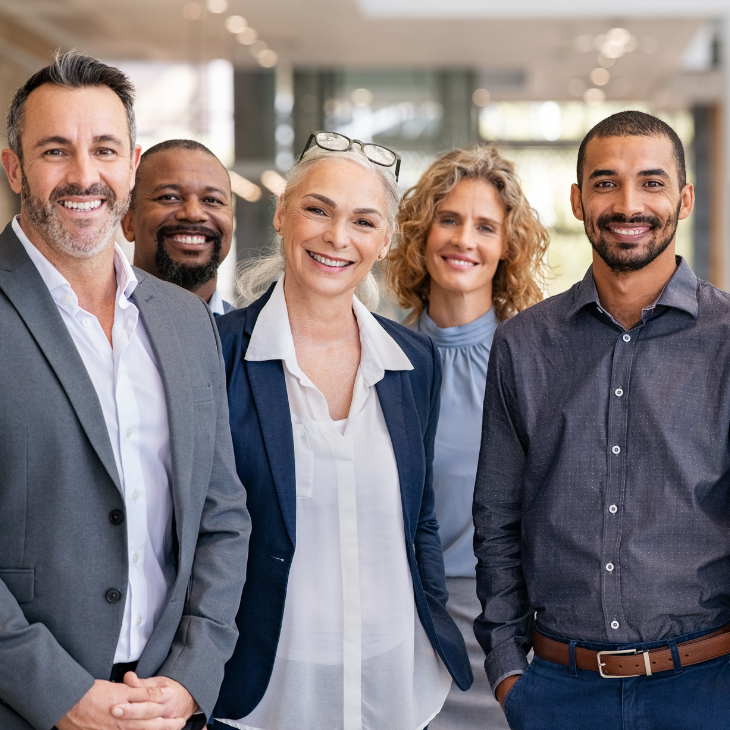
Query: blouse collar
[[473, 333], [272, 339]]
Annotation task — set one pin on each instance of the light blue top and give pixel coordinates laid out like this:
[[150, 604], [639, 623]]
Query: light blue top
[[464, 354]]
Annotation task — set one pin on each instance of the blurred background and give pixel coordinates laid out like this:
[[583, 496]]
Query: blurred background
[[252, 78]]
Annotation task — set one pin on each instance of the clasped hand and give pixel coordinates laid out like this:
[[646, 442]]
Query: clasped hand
[[157, 703]]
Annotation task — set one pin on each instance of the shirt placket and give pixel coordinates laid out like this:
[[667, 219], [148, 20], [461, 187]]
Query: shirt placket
[[613, 505]]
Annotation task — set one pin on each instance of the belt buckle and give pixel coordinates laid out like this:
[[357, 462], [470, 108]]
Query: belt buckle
[[647, 663]]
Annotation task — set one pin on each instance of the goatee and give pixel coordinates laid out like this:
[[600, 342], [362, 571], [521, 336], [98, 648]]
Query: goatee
[[187, 276]]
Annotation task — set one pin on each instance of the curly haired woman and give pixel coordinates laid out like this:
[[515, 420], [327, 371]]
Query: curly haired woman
[[471, 254]]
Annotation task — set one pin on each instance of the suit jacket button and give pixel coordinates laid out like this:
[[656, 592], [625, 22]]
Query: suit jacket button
[[113, 595], [116, 517]]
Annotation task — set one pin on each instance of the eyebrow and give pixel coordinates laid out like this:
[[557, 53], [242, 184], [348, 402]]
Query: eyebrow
[[58, 139], [481, 218], [332, 204], [656, 172], [177, 186]]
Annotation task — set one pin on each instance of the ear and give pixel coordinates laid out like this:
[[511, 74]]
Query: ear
[[13, 170], [279, 215], [576, 202], [386, 245], [127, 224], [136, 157], [688, 201]]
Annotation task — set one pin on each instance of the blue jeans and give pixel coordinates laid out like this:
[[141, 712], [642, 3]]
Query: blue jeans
[[549, 696]]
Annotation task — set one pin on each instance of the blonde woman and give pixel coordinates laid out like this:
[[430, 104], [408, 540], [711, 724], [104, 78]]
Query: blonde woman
[[333, 410], [471, 254]]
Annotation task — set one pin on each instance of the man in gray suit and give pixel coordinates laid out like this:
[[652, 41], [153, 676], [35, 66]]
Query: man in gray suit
[[123, 527]]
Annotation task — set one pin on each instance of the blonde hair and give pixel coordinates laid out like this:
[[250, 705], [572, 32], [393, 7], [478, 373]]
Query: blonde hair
[[519, 276], [254, 277]]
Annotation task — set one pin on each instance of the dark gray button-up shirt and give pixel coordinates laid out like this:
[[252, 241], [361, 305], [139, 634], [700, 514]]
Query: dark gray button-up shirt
[[602, 498]]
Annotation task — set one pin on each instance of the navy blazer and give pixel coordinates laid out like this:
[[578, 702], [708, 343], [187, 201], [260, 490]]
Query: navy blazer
[[264, 448]]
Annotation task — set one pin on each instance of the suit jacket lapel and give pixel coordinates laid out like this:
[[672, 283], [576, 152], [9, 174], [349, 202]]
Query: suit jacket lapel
[[25, 288], [175, 376], [268, 387], [405, 435]]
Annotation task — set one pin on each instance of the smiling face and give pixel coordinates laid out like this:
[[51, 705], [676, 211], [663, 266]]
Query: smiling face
[[77, 169], [335, 226], [465, 242], [630, 202], [182, 218]]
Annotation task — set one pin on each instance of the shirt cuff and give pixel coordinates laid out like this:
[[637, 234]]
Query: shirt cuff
[[503, 661]]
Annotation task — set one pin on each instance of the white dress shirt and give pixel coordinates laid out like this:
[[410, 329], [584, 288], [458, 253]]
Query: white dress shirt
[[216, 303], [128, 384], [352, 654]]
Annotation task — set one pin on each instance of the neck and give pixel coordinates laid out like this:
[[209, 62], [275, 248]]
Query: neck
[[206, 291], [625, 294], [93, 279], [327, 320], [449, 308]]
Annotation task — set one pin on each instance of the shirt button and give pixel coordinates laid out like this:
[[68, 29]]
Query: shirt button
[[619, 392], [139, 620], [129, 431], [135, 495], [609, 567], [613, 509], [86, 322], [135, 558], [627, 338], [614, 624], [67, 299], [616, 449]]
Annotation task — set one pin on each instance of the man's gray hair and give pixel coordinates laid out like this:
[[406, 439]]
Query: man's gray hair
[[72, 70]]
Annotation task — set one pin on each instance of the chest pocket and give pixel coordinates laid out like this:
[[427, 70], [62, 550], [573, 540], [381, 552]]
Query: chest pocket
[[303, 460]]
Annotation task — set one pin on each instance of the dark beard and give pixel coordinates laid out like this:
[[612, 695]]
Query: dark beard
[[622, 258], [187, 276]]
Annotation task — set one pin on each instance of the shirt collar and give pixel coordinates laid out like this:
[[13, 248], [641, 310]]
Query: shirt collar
[[216, 303], [55, 281], [272, 339], [680, 292]]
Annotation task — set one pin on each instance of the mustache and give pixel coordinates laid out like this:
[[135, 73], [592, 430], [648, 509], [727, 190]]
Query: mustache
[[193, 229], [604, 220], [102, 190]]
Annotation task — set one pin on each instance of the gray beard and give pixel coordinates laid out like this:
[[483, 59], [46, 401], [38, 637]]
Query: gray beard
[[89, 237]]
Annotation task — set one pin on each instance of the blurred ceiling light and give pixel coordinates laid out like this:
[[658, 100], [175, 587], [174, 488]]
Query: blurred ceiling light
[[235, 23], [612, 50], [244, 188], [362, 97], [606, 62], [593, 97], [268, 58], [600, 77], [193, 11], [247, 36], [481, 97], [217, 6], [258, 48], [271, 180], [583, 43], [619, 35], [576, 87]]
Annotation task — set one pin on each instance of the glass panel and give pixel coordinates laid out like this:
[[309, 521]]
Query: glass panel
[[333, 141]]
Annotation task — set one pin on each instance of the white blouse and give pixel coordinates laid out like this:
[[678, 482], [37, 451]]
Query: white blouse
[[352, 654]]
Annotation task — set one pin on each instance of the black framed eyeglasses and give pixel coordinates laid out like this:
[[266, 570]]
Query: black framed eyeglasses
[[336, 142]]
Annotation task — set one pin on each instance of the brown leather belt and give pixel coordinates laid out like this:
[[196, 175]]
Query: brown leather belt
[[632, 662]]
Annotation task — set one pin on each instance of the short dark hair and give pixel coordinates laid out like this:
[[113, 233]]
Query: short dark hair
[[170, 144], [634, 124], [73, 70]]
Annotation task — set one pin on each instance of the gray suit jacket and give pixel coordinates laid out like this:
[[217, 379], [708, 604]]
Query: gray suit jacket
[[60, 552]]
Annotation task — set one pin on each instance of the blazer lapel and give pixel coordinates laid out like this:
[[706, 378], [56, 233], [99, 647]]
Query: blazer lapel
[[25, 288], [175, 377], [405, 435], [268, 387]]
